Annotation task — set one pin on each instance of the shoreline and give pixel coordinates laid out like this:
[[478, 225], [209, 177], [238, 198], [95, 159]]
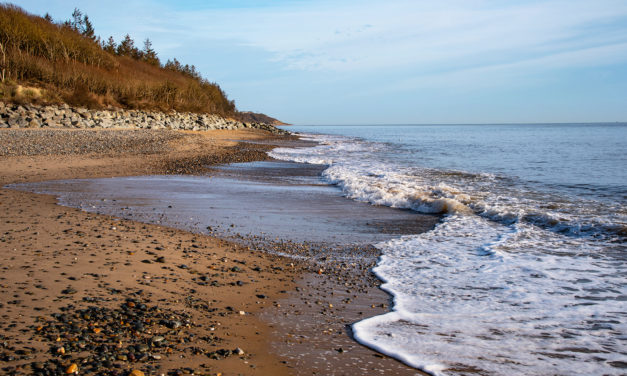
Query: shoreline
[[58, 260], [282, 287]]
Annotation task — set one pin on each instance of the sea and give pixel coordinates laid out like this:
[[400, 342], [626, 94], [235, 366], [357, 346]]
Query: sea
[[527, 271]]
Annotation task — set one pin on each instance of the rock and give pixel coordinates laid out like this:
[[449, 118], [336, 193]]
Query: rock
[[36, 116], [69, 290], [172, 324], [136, 372], [238, 351], [157, 339], [73, 368]]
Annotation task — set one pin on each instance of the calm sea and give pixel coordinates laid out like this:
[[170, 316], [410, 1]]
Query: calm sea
[[527, 272]]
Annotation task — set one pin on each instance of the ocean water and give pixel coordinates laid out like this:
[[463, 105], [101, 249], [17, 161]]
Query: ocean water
[[526, 273]]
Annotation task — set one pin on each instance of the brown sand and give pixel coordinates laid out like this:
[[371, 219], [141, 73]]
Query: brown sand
[[46, 249], [53, 257]]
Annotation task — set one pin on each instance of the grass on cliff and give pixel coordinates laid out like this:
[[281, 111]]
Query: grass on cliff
[[47, 62]]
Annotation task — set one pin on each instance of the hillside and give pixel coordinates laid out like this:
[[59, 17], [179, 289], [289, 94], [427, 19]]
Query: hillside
[[254, 117], [48, 62]]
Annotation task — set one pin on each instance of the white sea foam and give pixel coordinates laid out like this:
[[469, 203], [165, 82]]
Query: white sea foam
[[475, 294], [359, 169], [511, 282]]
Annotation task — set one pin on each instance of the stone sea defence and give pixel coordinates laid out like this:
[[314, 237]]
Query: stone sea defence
[[64, 116]]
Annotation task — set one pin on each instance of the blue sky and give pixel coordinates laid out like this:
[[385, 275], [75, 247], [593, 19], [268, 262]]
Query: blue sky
[[389, 62]]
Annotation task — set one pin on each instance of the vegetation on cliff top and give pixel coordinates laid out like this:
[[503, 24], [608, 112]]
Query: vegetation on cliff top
[[67, 62]]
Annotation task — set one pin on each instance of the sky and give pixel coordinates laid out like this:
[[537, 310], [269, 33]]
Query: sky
[[389, 61]]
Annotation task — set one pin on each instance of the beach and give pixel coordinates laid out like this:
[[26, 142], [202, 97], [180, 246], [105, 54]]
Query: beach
[[364, 189], [110, 295]]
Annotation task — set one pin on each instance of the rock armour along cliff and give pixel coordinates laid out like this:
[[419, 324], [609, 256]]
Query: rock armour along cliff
[[64, 116]]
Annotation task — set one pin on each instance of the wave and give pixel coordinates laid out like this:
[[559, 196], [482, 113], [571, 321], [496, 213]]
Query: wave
[[514, 280], [357, 167], [503, 299]]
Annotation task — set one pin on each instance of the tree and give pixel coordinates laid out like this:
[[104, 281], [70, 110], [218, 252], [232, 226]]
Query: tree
[[109, 45], [81, 24], [126, 47], [88, 29], [48, 17], [149, 55], [76, 22], [174, 65]]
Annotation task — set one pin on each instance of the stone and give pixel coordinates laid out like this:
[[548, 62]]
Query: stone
[[34, 123], [73, 368], [69, 290], [157, 339], [35, 116], [14, 122], [174, 324]]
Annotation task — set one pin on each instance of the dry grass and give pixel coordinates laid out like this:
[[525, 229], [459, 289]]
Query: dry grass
[[75, 69]]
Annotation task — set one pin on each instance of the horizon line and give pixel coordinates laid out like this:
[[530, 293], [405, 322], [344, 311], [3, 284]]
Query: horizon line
[[493, 123]]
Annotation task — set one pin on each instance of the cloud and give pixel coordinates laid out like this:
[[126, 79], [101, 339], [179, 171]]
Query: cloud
[[293, 58], [376, 35], [530, 72]]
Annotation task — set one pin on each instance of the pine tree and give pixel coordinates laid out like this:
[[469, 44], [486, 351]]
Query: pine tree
[[76, 22], [149, 55], [126, 47], [174, 65], [88, 29], [109, 45]]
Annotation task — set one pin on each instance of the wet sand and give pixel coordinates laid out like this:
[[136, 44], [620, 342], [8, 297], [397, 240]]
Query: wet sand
[[59, 260], [265, 200]]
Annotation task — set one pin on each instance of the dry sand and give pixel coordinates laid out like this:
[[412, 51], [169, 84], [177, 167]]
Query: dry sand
[[54, 257], [164, 301]]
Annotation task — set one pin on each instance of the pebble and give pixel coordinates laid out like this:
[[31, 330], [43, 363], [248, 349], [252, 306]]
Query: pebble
[[73, 368], [157, 339], [72, 332]]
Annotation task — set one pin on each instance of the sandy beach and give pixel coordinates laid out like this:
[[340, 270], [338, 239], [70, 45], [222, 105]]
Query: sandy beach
[[104, 295], [306, 188]]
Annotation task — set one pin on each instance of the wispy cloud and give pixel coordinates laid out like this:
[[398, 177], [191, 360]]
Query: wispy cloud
[[350, 35], [364, 60]]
